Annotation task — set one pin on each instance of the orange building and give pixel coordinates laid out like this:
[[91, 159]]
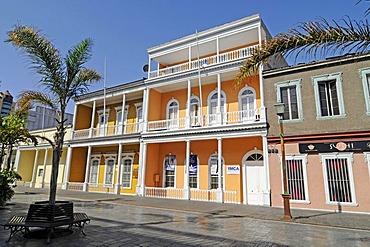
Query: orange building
[[187, 132]]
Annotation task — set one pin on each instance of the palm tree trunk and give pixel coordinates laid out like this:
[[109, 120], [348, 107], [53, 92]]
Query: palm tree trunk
[[57, 152]]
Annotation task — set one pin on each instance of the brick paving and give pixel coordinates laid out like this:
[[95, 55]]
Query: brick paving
[[118, 220]]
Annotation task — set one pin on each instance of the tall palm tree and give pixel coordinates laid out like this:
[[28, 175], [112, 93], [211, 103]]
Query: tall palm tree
[[313, 39], [62, 79]]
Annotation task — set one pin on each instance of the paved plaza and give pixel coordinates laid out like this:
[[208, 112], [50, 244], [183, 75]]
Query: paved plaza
[[118, 220]]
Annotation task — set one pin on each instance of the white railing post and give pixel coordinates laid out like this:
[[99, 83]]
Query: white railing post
[[68, 168]]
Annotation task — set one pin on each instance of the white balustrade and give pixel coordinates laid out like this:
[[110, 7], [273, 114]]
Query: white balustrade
[[230, 197], [81, 134], [203, 62], [173, 193], [167, 124], [241, 116], [203, 195], [75, 186]]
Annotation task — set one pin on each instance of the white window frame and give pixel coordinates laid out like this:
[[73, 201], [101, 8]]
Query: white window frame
[[349, 157], [128, 156], [240, 99], [94, 157], [139, 122], [195, 122], [172, 123], [363, 75], [105, 127], [214, 121], [303, 158], [215, 154], [367, 160], [119, 130], [297, 84], [197, 172], [108, 157], [164, 172], [338, 78]]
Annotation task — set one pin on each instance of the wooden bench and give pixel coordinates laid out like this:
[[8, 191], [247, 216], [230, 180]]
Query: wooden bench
[[43, 215]]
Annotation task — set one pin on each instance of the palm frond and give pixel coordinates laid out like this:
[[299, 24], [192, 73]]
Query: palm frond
[[312, 39], [82, 81], [26, 98], [44, 57], [78, 56]]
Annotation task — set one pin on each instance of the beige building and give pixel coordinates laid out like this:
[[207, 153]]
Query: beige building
[[327, 133]]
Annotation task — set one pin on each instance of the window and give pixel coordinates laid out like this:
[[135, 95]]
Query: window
[[94, 169], [247, 103], [365, 76], [194, 111], [41, 173], [173, 114], [103, 122], [214, 170], [297, 177], [126, 172], [110, 161], [338, 175], [169, 170], [289, 93], [139, 116], [212, 106], [328, 96], [119, 129], [193, 171]]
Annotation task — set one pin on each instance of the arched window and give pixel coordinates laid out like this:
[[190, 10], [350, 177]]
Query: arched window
[[103, 122], [173, 113], [110, 161], [193, 171], [126, 168], [94, 169], [247, 103], [212, 106], [194, 111], [170, 163], [214, 170]]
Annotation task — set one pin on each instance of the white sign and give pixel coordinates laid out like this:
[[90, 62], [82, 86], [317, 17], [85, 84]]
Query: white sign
[[233, 170]]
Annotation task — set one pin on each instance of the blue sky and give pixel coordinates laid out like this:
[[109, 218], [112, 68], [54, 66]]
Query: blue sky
[[123, 29]]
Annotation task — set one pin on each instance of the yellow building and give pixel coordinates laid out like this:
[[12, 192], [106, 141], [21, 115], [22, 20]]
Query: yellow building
[[186, 132], [34, 163]]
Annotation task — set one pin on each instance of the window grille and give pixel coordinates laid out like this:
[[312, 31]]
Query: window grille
[[338, 180], [295, 179], [126, 173]]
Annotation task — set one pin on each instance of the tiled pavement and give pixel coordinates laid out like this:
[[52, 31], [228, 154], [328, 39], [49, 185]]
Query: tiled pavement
[[137, 221]]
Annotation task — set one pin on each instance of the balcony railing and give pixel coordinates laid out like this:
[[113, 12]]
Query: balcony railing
[[228, 118], [120, 129], [203, 62]]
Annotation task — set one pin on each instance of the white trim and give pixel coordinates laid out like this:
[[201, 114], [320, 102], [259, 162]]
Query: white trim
[[363, 75], [108, 157], [215, 154], [349, 157], [197, 171], [191, 123], [338, 78], [94, 157], [297, 84], [216, 120], [367, 160], [240, 97], [164, 172], [303, 158], [127, 156], [176, 119], [139, 122]]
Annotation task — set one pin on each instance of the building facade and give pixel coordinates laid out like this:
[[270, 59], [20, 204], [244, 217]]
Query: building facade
[[44, 118], [6, 103], [187, 132], [326, 128], [34, 163]]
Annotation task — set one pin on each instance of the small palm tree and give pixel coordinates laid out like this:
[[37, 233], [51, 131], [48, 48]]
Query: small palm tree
[[62, 80], [318, 38]]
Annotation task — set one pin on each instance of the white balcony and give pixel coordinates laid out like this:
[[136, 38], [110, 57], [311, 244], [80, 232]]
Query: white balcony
[[130, 128], [228, 118], [205, 61]]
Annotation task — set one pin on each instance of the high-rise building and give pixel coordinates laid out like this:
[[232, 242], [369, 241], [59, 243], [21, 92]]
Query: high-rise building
[[42, 118], [6, 103]]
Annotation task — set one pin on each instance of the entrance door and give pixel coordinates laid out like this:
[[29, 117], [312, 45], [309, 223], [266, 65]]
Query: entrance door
[[255, 179]]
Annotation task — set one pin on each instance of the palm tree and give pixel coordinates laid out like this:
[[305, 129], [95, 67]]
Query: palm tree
[[62, 80], [313, 39]]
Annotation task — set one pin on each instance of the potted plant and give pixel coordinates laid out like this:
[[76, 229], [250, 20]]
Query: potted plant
[[7, 183]]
